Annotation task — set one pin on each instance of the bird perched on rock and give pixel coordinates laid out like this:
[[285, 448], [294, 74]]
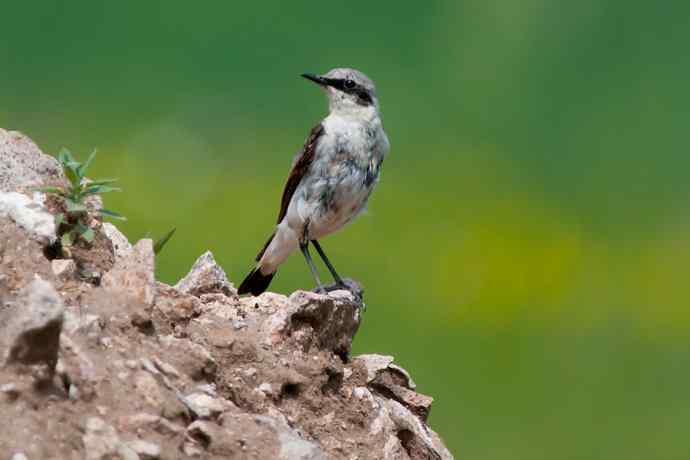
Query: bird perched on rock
[[331, 178]]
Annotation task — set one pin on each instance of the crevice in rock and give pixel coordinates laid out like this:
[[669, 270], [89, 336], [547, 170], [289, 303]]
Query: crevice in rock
[[290, 390], [415, 449], [334, 382], [406, 438], [201, 437], [53, 251]]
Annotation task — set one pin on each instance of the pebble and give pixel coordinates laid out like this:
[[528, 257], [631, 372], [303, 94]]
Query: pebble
[[146, 450]]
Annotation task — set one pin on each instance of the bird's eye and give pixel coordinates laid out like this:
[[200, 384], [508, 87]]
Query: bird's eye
[[349, 84]]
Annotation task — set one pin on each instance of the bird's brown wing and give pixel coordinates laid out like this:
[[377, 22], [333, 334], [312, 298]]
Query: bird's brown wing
[[300, 168]]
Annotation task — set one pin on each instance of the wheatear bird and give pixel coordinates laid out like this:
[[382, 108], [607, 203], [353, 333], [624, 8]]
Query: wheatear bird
[[331, 178]]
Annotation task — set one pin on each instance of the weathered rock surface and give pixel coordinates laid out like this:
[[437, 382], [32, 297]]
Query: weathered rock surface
[[121, 246], [28, 214], [32, 326], [206, 277], [137, 369], [23, 165], [132, 276]]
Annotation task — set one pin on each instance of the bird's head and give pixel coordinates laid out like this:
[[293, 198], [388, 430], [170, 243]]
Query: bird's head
[[348, 90]]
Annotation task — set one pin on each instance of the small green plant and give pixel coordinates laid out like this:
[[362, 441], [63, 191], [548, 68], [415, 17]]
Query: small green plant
[[160, 243], [72, 223]]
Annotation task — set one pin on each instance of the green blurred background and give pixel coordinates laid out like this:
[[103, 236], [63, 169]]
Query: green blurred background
[[525, 255]]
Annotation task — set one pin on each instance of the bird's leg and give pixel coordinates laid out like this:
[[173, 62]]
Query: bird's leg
[[304, 246], [338, 280]]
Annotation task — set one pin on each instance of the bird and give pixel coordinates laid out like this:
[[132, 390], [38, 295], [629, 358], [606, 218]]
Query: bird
[[331, 179]]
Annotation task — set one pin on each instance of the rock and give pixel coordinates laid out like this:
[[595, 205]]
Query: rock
[[204, 433], [32, 327], [145, 450], [327, 322], [81, 368], [206, 277], [164, 372], [394, 382], [23, 164], [192, 449], [121, 246], [373, 364], [189, 357], [237, 436], [100, 440], [29, 215], [147, 386], [133, 275], [73, 392], [173, 306], [409, 383], [81, 323], [10, 391], [166, 368], [63, 268], [206, 407], [418, 403], [292, 446], [417, 440], [144, 420], [266, 389]]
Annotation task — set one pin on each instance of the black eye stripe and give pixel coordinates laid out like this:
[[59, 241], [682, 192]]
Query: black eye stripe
[[363, 96]]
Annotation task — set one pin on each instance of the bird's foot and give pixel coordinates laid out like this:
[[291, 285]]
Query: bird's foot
[[347, 284]]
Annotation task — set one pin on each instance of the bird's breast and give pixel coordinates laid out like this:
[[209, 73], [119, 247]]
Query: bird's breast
[[342, 175]]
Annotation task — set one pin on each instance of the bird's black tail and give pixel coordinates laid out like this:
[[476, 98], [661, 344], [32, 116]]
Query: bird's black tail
[[255, 283]]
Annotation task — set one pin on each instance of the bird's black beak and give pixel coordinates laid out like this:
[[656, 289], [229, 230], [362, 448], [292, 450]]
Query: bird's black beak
[[316, 79]]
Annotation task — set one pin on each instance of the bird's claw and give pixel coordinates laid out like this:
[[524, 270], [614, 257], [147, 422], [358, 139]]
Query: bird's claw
[[346, 284]]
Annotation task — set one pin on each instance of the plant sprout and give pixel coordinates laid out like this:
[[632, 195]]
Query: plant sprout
[[72, 222]]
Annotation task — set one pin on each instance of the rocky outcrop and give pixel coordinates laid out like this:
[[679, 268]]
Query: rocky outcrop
[[23, 165], [119, 365]]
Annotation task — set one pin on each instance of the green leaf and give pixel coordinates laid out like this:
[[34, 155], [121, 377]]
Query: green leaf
[[100, 182], [65, 156], [88, 235], [158, 246], [84, 166], [70, 166], [71, 173], [84, 231], [75, 206], [96, 189], [67, 239], [59, 219], [54, 190], [112, 214]]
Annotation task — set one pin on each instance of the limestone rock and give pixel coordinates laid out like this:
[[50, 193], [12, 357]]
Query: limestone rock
[[100, 440], [374, 364], [63, 268], [406, 429], [206, 277], [146, 450], [23, 165], [121, 246], [292, 446], [29, 215], [206, 407], [315, 320], [188, 357], [31, 330], [133, 275]]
